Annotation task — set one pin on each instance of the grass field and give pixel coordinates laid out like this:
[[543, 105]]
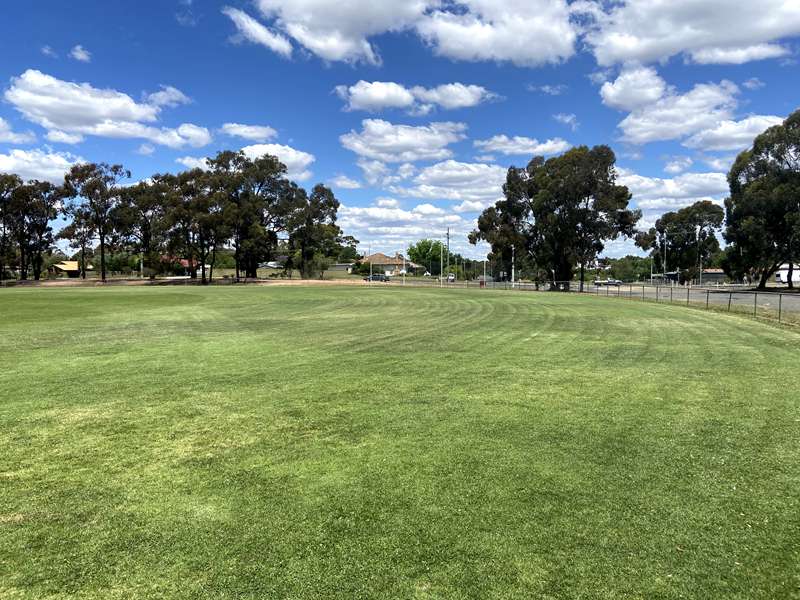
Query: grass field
[[293, 442]]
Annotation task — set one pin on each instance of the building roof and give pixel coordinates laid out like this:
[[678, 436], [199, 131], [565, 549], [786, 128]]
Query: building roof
[[714, 271], [68, 265], [397, 260]]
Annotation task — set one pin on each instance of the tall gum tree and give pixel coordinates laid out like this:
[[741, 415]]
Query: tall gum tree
[[558, 213], [97, 187], [762, 212]]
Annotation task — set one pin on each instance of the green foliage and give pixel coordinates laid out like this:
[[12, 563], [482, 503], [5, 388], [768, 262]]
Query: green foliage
[[557, 213], [629, 268], [95, 190], [763, 210], [432, 255], [685, 240], [311, 224]]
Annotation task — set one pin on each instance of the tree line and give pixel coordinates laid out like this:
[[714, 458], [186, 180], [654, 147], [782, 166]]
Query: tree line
[[247, 205], [557, 215]]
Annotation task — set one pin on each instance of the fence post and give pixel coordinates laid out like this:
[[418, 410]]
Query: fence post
[[730, 297], [658, 294], [707, 293], [687, 296], [755, 304], [780, 306], [670, 294], [642, 293]]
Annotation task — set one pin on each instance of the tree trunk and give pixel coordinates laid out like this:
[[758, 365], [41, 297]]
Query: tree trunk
[[762, 282], [23, 264], [83, 261], [583, 270], [103, 257], [791, 272], [37, 267]]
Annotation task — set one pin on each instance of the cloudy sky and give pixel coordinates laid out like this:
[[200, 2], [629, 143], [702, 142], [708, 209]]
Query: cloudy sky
[[412, 109]]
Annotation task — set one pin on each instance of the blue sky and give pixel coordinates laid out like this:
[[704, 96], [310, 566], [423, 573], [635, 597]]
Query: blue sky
[[411, 110]]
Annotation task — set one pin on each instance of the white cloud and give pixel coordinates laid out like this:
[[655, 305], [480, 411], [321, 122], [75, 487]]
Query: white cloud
[[550, 90], [678, 165], [388, 228], [297, 162], [38, 164], [570, 120], [453, 95], [453, 180], [635, 87], [655, 193], [192, 162], [738, 56], [256, 133], [732, 135], [146, 149], [519, 145], [80, 109], [428, 209], [387, 203], [12, 137], [754, 83], [48, 51], [708, 31], [81, 54], [339, 31], [524, 32], [253, 31], [383, 141], [345, 183], [168, 96], [675, 115], [62, 137], [719, 163], [378, 95], [375, 96]]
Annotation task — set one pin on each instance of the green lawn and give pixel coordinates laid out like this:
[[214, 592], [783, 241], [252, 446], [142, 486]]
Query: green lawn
[[289, 442]]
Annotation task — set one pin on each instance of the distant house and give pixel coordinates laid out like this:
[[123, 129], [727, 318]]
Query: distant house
[[70, 268], [782, 274], [391, 265]]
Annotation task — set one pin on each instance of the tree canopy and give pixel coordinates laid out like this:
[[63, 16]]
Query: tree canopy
[[558, 213], [763, 209]]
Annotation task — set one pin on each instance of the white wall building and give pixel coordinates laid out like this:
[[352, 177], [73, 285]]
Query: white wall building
[[782, 274]]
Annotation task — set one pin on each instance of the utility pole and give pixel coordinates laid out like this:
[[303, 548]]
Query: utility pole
[[448, 252], [441, 258], [369, 255]]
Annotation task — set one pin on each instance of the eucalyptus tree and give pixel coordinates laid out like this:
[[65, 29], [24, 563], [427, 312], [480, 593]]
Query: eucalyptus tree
[[252, 193], [558, 213], [762, 212], [140, 218], [40, 203], [313, 232], [79, 233], [8, 184], [96, 188]]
